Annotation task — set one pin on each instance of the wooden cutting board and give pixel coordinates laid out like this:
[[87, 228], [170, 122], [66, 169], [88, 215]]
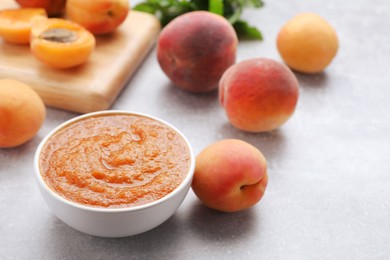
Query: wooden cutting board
[[94, 85]]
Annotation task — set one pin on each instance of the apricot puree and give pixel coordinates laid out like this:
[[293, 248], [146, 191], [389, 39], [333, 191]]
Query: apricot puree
[[115, 161]]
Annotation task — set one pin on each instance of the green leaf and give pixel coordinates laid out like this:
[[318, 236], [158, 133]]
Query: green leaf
[[167, 10], [244, 30], [254, 3], [216, 6], [144, 7]]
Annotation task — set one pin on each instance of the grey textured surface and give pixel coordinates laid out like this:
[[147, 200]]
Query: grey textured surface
[[329, 169]]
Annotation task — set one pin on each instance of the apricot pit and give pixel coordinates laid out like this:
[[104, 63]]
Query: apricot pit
[[59, 35]]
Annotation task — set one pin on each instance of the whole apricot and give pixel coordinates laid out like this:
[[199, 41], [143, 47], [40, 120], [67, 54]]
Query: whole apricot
[[195, 49], [52, 7], [98, 16], [258, 94], [307, 43], [22, 113], [230, 175]]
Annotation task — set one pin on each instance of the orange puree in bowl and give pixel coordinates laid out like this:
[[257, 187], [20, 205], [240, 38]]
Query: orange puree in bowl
[[115, 160]]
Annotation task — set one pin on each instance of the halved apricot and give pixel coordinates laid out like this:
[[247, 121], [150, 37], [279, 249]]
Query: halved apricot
[[61, 43], [15, 24]]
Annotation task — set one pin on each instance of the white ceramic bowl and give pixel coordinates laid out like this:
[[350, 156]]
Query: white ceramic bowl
[[113, 222]]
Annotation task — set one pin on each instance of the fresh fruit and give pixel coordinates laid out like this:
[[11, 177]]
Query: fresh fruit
[[60, 43], [52, 7], [230, 175], [15, 24], [195, 49], [22, 113], [307, 43], [167, 10], [258, 94], [98, 16]]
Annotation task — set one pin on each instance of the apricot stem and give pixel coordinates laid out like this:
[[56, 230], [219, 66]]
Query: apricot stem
[[59, 35]]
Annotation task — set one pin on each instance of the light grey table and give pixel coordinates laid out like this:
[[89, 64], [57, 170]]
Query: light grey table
[[329, 166]]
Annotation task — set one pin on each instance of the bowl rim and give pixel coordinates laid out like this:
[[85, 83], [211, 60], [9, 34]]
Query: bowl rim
[[41, 182]]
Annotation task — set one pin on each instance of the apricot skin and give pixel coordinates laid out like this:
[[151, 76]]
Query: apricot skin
[[98, 16], [195, 49], [15, 24], [52, 7], [22, 113], [259, 94], [307, 43], [230, 175]]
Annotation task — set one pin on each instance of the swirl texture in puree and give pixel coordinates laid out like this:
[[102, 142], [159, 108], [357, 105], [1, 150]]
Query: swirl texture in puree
[[115, 161]]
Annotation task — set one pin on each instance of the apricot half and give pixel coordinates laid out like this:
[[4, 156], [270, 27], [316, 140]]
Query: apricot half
[[22, 113], [60, 43], [15, 24]]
